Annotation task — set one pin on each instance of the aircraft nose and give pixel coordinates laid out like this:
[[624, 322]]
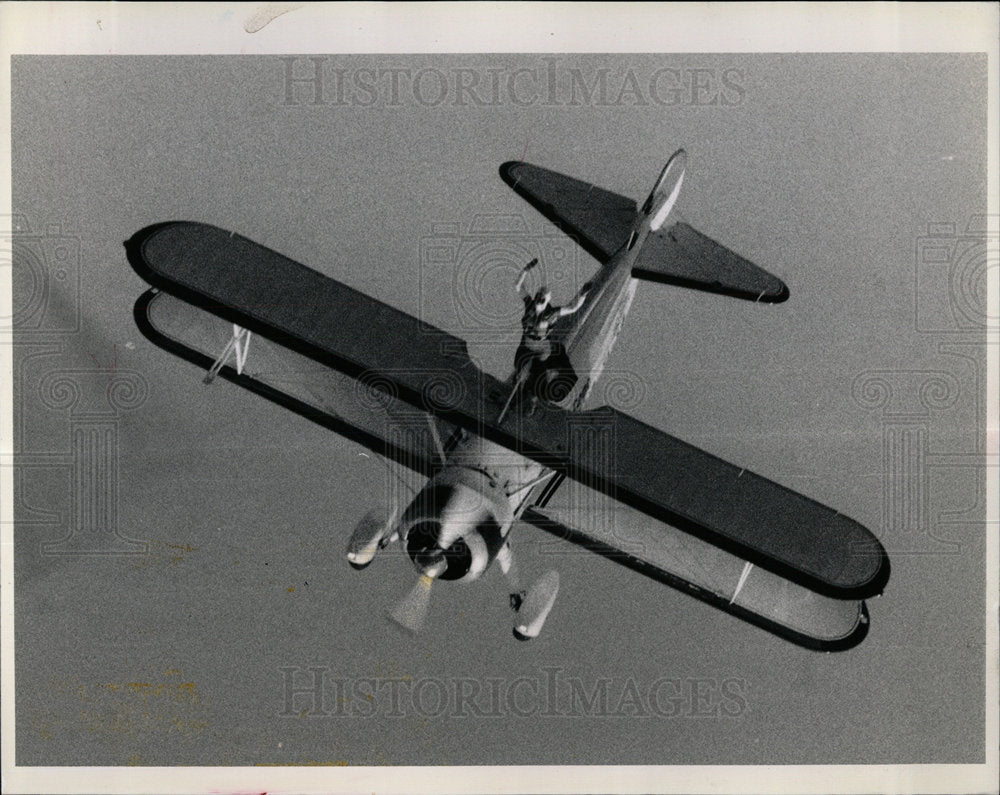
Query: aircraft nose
[[431, 562]]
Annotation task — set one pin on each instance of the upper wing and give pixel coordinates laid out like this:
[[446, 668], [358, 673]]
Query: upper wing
[[684, 256], [730, 507], [389, 351], [309, 313], [599, 219]]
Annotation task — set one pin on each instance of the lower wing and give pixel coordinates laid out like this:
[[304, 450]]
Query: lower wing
[[631, 538], [357, 410]]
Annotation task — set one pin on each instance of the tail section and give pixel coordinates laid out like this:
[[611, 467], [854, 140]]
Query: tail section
[[605, 223]]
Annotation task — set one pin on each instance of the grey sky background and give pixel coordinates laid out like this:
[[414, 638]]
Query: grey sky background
[[824, 169]]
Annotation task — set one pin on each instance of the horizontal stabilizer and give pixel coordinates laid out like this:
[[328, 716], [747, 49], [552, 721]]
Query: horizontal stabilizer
[[599, 220], [684, 256]]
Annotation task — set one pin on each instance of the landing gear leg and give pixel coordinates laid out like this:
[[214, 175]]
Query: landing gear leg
[[533, 608], [505, 558]]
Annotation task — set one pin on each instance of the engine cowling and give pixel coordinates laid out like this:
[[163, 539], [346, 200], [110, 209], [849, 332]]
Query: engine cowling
[[461, 517]]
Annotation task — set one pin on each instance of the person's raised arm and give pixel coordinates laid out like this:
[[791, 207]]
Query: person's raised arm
[[569, 310], [524, 275]]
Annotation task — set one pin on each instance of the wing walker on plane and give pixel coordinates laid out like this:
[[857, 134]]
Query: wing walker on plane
[[495, 452]]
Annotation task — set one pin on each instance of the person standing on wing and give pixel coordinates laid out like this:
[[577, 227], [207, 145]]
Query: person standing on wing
[[536, 324]]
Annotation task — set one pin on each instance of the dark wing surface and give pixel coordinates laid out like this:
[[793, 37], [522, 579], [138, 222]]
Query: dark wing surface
[[735, 509], [241, 281], [684, 256], [598, 219]]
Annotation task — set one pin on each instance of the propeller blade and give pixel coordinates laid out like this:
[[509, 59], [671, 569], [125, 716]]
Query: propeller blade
[[411, 612]]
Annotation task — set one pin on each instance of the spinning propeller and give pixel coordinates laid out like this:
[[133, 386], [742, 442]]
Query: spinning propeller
[[411, 612]]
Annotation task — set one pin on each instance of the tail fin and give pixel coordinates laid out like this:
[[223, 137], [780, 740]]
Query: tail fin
[[664, 194]]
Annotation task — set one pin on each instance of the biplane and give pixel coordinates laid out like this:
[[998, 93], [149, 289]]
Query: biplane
[[490, 460]]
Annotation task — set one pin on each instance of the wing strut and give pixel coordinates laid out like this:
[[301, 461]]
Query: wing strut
[[531, 484], [442, 455], [240, 343], [519, 381], [743, 578]]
